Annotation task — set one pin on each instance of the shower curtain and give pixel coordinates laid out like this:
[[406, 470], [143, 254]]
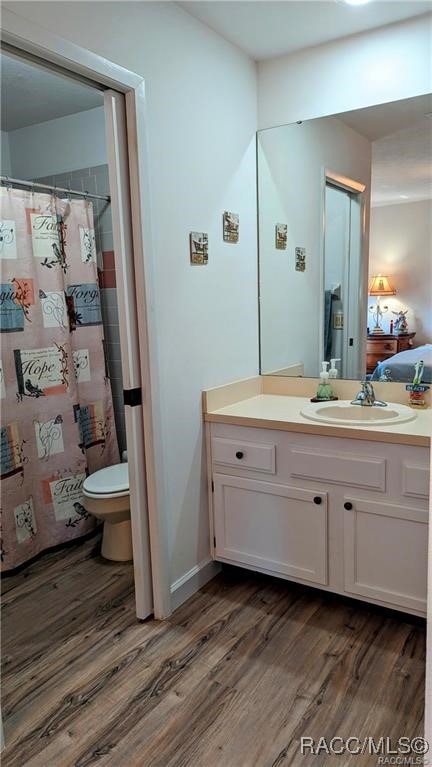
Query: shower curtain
[[57, 420]]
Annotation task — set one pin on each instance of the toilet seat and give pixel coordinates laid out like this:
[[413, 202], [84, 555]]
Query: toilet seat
[[111, 482]]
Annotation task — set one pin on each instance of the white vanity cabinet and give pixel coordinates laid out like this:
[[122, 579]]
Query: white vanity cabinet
[[345, 515]]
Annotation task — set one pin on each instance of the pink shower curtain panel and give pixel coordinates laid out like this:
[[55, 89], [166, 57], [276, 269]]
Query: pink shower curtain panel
[[57, 420]]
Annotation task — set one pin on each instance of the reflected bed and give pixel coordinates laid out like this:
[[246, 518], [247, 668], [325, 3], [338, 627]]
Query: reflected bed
[[401, 365]]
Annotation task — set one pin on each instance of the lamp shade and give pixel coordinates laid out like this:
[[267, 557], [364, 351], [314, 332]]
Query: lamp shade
[[380, 286]]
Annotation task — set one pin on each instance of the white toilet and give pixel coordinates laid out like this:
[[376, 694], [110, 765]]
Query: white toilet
[[106, 495]]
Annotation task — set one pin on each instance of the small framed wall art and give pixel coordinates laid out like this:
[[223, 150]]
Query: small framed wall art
[[300, 259], [198, 244], [338, 320], [230, 226], [281, 236]]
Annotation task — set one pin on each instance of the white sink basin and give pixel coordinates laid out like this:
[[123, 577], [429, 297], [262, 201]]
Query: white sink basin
[[344, 413]]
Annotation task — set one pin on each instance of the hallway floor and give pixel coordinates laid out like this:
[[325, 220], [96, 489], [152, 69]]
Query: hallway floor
[[233, 679]]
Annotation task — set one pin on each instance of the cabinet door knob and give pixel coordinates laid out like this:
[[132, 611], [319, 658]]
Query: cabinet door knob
[[348, 505], [317, 500], [239, 454]]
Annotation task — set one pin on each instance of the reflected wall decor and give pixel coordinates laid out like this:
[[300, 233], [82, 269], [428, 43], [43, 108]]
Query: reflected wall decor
[[198, 243], [300, 259]]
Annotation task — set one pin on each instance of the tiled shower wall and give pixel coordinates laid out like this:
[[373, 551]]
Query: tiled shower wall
[[95, 180]]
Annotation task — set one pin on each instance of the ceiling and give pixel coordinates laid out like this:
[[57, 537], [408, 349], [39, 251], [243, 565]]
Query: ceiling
[[401, 136], [265, 29], [385, 119], [31, 94], [400, 131], [401, 165]]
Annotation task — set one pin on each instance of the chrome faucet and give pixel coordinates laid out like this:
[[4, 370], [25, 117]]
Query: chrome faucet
[[366, 396]]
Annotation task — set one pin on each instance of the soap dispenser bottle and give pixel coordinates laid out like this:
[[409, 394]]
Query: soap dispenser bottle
[[333, 372], [325, 391]]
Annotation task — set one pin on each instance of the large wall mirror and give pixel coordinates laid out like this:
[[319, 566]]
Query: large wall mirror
[[345, 243]]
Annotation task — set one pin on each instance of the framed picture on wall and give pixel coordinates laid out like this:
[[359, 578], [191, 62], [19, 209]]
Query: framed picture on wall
[[231, 226], [300, 259], [281, 236], [198, 243]]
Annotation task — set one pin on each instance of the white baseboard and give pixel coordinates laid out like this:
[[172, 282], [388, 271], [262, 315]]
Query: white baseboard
[[192, 581]]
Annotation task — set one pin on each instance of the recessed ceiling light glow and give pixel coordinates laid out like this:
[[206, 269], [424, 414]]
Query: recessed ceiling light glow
[[356, 2]]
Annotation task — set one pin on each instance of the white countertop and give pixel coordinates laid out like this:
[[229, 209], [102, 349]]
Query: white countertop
[[282, 412]]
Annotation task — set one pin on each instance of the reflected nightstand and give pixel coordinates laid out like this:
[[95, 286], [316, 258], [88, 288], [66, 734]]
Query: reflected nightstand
[[381, 347]]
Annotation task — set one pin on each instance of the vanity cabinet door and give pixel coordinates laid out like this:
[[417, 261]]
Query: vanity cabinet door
[[385, 552], [271, 527]]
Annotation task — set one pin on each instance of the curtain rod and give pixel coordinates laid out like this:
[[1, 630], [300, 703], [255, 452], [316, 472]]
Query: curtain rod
[[55, 189]]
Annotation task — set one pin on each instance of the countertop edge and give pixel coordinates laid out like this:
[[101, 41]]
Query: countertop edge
[[320, 429]]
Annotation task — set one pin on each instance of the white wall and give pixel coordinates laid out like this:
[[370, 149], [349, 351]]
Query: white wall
[[292, 160], [6, 169], [401, 248], [201, 95], [385, 64], [59, 146]]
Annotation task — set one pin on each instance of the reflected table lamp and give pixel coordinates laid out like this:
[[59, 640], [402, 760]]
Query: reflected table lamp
[[379, 286]]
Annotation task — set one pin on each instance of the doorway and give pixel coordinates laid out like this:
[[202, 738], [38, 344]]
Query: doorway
[[121, 96], [72, 156], [343, 280], [127, 157]]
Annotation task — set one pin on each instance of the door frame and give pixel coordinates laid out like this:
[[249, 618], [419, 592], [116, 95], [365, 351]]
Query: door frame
[[358, 190], [130, 175]]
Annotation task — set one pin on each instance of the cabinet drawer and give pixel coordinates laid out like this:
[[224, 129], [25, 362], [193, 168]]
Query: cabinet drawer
[[382, 347], [374, 359], [385, 550], [244, 455], [404, 343], [415, 480], [339, 468]]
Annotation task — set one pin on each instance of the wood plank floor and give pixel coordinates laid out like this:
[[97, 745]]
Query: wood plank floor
[[234, 679]]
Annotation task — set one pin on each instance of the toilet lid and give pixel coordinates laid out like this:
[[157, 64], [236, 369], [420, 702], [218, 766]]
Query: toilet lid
[[113, 479]]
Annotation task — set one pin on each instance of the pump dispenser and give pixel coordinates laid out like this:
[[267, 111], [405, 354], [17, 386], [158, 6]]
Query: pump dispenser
[[325, 391], [333, 372]]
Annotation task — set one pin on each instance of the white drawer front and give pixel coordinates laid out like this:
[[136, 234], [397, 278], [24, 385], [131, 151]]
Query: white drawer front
[[339, 468], [244, 455], [415, 480]]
